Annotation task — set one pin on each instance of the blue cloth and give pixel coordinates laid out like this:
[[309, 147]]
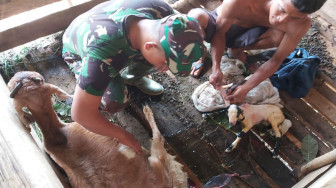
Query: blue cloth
[[297, 73]]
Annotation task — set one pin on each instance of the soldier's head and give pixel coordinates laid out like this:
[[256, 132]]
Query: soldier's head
[[181, 44]]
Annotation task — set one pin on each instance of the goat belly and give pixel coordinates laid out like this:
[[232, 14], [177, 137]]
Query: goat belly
[[255, 118]]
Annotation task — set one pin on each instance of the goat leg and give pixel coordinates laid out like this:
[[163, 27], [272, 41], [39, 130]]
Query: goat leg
[[234, 144], [276, 147], [277, 132], [158, 152]]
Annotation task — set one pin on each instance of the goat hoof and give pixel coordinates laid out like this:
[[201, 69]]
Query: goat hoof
[[275, 154], [229, 149]]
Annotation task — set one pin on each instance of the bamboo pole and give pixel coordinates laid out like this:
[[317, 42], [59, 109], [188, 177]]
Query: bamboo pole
[[316, 163]]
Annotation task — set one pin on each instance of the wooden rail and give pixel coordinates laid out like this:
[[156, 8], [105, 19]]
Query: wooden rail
[[44, 26], [22, 162]]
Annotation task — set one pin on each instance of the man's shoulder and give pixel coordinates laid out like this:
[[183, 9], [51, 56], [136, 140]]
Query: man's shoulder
[[295, 25], [233, 8], [245, 3]]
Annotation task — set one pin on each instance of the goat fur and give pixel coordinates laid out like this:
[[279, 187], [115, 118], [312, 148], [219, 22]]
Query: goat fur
[[251, 115], [89, 159]]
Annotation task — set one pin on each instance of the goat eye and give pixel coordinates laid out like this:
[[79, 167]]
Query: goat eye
[[36, 79]]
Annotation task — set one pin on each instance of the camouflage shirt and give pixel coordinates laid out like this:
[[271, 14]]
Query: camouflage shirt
[[100, 38]]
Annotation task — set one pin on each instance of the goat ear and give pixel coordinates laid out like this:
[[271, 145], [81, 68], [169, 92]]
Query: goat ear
[[240, 111]]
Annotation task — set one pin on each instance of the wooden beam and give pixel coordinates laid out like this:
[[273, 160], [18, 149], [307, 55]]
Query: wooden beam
[[42, 27], [22, 163], [322, 105], [12, 7]]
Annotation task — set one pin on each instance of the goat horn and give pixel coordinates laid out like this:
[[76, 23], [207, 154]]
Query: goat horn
[[15, 90]]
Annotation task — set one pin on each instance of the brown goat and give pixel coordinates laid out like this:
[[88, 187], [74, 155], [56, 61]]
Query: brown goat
[[89, 159]]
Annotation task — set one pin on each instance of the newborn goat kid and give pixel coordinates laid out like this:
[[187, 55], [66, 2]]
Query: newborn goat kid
[[89, 159], [251, 115]]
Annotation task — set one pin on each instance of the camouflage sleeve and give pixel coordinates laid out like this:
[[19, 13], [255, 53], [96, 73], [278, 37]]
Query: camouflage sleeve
[[95, 76]]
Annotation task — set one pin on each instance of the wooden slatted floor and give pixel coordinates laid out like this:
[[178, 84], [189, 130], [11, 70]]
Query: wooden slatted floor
[[201, 145]]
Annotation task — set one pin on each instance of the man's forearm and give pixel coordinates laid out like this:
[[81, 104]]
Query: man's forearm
[[217, 50], [262, 73]]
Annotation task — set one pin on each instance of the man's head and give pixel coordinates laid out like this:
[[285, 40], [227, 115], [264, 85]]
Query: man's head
[[182, 42], [282, 11], [308, 6]]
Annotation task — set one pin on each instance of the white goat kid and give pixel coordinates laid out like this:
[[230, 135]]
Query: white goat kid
[[251, 115], [89, 159]]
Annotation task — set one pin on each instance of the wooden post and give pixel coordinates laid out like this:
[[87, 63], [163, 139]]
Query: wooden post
[[22, 163]]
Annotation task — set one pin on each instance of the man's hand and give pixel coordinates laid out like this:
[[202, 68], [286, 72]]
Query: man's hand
[[85, 111], [129, 140], [216, 78], [237, 95]]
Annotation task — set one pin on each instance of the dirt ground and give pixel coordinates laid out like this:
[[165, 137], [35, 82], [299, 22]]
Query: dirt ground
[[186, 132]]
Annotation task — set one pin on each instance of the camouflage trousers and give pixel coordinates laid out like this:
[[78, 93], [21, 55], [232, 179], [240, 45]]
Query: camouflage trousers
[[116, 95]]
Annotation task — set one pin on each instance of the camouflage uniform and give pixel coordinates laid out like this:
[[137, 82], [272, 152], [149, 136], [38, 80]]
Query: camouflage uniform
[[96, 46]]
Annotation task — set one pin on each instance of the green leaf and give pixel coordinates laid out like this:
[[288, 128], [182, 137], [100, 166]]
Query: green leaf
[[309, 148], [220, 120], [57, 106], [63, 110]]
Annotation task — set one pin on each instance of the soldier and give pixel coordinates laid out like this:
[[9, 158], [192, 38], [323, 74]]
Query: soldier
[[143, 35]]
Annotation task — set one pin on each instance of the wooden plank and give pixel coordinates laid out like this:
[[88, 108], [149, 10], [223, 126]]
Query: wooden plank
[[300, 129], [42, 27], [310, 119], [287, 150], [12, 7], [327, 11], [328, 81], [281, 174], [326, 89], [325, 107], [27, 165], [257, 168]]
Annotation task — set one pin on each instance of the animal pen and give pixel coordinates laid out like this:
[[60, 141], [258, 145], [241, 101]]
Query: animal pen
[[197, 142]]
